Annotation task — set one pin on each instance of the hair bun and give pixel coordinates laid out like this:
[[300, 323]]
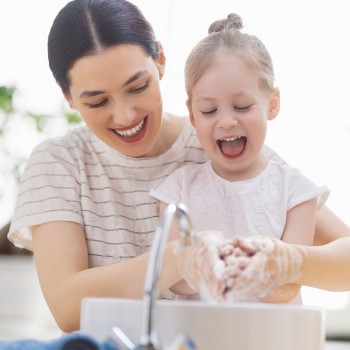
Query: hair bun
[[232, 22]]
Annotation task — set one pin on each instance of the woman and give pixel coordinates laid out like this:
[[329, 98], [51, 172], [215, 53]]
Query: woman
[[83, 204]]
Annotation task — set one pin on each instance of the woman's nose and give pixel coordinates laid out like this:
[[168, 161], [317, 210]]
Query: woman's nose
[[123, 114]]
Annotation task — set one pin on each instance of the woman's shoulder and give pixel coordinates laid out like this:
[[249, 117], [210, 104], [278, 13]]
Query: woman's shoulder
[[74, 137], [76, 141]]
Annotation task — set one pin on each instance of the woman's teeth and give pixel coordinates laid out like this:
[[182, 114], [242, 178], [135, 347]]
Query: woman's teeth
[[133, 131]]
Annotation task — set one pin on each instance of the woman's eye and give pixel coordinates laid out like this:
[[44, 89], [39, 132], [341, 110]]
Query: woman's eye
[[140, 88], [98, 105]]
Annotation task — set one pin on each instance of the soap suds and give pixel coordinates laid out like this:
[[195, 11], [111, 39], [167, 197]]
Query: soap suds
[[264, 265], [241, 269]]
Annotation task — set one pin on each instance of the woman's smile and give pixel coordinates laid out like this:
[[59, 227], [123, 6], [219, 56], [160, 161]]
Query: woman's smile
[[132, 133]]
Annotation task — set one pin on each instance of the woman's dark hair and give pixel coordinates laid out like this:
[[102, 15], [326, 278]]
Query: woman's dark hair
[[87, 27]]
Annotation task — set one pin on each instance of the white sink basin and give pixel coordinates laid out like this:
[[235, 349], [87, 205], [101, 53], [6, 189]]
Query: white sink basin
[[240, 326]]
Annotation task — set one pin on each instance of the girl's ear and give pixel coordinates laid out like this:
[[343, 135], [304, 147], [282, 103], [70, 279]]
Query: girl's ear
[[190, 113], [161, 60], [274, 107]]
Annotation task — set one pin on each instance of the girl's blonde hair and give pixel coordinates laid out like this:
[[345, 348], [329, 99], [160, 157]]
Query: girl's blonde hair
[[225, 37]]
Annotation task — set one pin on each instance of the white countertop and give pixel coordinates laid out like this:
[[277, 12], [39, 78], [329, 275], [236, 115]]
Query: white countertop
[[332, 345]]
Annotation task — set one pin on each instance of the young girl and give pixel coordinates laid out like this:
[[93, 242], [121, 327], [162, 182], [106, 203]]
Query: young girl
[[231, 97], [83, 205]]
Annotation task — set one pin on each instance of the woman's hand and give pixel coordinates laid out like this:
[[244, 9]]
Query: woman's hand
[[201, 266], [255, 268]]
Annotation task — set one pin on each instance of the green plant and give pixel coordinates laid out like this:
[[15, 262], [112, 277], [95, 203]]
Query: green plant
[[16, 127], [10, 115]]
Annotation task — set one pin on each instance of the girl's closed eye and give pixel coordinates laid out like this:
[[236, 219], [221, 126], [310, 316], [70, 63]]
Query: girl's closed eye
[[209, 112], [243, 108]]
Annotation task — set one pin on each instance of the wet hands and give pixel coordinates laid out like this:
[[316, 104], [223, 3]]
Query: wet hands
[[201, 266], [254, 268], [261, 268]]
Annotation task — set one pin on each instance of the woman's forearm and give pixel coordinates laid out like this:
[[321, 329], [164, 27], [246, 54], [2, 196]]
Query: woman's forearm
[[327, 267], [122, 280], [329, 227], [61, 260]]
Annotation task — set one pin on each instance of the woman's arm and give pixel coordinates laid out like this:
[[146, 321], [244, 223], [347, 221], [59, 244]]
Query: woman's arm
[[181, 287], [327, 267], [329, 227], [61, 259], [274, 263]]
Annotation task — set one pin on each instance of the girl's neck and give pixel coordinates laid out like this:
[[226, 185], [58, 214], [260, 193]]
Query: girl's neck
[[251, 171]]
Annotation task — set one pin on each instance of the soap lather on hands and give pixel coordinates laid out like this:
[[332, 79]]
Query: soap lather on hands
[[241, 269], [201, 266]]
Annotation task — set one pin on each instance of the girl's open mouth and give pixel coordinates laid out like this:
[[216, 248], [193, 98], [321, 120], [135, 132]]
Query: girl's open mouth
[[232, 147]]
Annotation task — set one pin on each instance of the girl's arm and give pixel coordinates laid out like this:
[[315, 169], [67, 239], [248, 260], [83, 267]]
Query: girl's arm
[[300, 223], [61, 259], [299, 228]]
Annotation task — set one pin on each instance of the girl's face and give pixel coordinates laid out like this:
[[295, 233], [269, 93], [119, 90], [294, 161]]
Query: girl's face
[[117, 93], [230, 111]]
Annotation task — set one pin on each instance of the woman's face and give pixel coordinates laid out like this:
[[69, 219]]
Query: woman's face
[[118, 95]]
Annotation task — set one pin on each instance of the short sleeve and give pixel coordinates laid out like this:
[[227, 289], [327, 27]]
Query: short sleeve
[[49, 190], [169, 191]]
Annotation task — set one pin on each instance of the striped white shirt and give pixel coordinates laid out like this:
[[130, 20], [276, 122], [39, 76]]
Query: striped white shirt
[[80, 179]]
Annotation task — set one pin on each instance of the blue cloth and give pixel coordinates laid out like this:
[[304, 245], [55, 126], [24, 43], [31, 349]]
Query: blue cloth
[[67, 342]]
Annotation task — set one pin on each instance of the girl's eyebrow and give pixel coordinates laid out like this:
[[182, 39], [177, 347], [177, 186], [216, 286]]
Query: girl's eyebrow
[[92, 93]]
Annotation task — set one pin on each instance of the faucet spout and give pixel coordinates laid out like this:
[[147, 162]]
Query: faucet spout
[[149, 339]]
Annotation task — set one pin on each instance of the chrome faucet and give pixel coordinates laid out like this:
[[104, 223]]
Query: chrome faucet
[[149, 338]]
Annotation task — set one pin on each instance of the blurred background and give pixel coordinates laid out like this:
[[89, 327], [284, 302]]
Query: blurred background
[[309, 42]]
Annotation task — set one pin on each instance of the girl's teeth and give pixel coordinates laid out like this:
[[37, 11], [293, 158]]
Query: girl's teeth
[[133, 131], [230, 138]]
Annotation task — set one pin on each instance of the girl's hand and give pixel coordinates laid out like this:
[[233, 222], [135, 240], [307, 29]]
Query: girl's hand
[[258, 266], [200, 264]]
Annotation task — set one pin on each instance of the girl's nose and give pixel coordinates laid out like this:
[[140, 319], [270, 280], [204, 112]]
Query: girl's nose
[[227, 120]]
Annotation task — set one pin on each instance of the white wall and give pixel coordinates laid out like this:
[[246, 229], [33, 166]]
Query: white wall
[[309, 42]]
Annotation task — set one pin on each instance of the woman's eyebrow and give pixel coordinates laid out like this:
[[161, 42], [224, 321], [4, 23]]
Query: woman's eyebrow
[[93, 93], [135, 77]]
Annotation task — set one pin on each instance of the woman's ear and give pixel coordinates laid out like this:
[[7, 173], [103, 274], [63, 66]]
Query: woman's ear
[[274, 106], [68, 98], [190, 113], [161, 60]]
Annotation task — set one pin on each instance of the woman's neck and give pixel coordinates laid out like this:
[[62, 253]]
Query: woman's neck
[[169, 132]]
